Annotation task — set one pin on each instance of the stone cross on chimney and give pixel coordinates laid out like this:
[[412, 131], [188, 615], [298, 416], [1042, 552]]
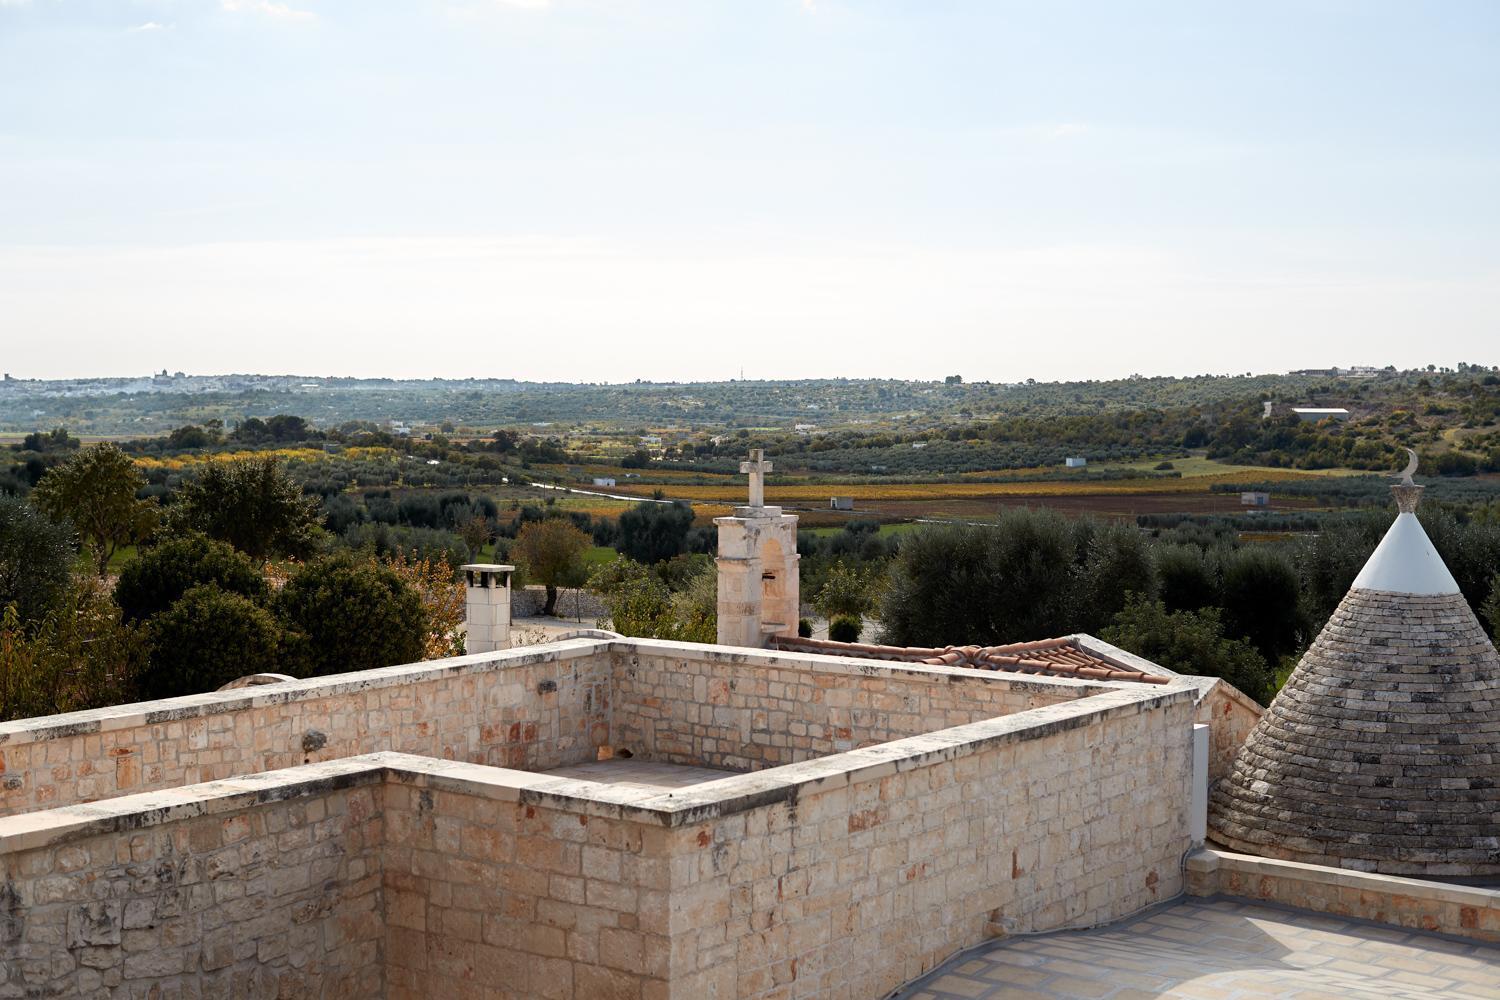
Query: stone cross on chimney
[[757, 467]]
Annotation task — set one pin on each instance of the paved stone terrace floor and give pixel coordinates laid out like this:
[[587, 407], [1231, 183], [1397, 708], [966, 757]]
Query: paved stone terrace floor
[[1221, 949], [645, 775]]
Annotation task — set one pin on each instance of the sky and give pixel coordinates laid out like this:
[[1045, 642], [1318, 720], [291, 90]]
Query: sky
[[605, 190]]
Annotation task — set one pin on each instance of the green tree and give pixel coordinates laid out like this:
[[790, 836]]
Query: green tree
[[1185, 578], [96, 491], [551, 553], [1113, 564], [250, 504], [651, 532], [1490, 611], [81, 655], [1190, 642], [1259, 594], [342, 614], [845, 591], [477, 532], [982, 584], [36, 560], [205, 640], [161, 575]]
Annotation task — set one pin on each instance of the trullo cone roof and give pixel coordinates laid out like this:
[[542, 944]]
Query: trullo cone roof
[[1382, 752]]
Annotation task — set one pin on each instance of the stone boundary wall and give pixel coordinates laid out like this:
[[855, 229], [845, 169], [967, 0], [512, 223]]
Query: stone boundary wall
[[537, 707], [214, 891], [1463, 911], [572, 603], [674, 703]]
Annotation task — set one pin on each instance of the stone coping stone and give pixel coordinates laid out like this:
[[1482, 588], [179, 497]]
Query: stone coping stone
[[678, 807], [146, 713], [1209, 860]]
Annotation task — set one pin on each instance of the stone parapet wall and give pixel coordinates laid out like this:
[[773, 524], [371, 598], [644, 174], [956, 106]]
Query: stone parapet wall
[[572, 603], [868, 878], [208, 892], [532, 708], [678, 703], [394, 875], [1460, 910], [487, 895]]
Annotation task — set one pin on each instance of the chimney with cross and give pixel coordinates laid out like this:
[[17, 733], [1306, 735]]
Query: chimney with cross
[[758, 577]]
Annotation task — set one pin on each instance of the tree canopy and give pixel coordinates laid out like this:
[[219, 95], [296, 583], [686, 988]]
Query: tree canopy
[[96, 491], [551, 552], [252, 505], [162, 574], [344, 614], [36, 559]]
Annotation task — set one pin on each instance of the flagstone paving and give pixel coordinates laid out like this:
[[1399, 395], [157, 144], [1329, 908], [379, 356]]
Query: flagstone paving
[[1221, 949]]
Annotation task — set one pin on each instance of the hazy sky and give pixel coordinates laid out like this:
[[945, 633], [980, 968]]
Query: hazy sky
[[613, 189]]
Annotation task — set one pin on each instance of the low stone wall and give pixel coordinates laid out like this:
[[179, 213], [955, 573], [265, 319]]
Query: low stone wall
[[551, 897], [270, 887], [533, 708], [866, 877], [1464, 911], [741, 711], [575, 604]]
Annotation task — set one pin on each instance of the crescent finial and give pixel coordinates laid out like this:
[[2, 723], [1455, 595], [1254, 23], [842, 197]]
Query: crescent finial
[[1410, 470]]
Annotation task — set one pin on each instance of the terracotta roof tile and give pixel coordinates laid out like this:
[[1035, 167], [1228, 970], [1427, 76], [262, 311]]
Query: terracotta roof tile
[[1051, 657]]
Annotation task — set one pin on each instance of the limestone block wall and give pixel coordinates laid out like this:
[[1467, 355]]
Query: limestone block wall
[[1468, 911], [276, 898], [1230, 715], [850, 889], [493, 897], [511, 709], [685, 705], [402, 876]]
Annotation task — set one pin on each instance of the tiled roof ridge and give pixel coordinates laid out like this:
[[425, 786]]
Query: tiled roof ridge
[[1060, 657]]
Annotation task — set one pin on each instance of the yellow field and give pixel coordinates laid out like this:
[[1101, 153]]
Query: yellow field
[[939, 491], [177, 462]]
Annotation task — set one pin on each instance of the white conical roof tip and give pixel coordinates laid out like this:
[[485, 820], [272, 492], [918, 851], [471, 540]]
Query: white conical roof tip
[[1406, 563]]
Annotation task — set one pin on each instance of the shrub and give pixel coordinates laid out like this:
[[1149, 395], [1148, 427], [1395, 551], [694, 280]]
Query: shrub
[[36, 560], [82, 655], [161, 575], [804, 628], [641, 604], [845, 628], [207, 639], [342, 614]]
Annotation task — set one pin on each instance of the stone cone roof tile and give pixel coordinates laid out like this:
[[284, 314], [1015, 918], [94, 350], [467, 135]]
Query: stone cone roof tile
[[1382, 752]]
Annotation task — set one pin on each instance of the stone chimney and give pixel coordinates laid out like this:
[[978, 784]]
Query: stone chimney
[[759, 579], [487, 607]]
